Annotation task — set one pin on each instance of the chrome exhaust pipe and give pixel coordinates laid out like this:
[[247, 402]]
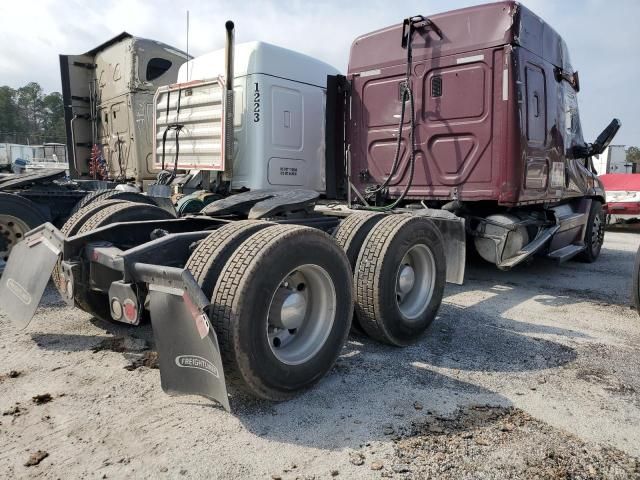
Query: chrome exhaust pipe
[[228, 54], [228, 107]]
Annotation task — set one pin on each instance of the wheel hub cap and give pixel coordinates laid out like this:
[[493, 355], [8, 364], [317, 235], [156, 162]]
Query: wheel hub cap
[[293, 309], [415, 282], [406, 279], [301, 314]]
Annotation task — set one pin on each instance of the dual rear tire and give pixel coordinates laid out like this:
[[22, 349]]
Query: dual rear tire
[[399, 273], [282, 296], [281, 300], [96, 214]]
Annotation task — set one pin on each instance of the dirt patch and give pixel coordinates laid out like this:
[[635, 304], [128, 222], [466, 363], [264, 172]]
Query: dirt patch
[[608, 382], [14, 411], [504, 443], [121, 345], [42, 398], [35, 458], [11, 374], [148, 359]]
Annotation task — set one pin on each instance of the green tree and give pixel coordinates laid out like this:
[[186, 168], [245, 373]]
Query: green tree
[[633, 154], [30, 105], [53, 118], [9, 114], [28, 115]]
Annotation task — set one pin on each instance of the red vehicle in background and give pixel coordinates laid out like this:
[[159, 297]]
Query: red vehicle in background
[[623, 196]]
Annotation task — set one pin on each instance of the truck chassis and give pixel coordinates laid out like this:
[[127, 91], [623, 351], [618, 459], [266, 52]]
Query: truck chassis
[[261, 269]]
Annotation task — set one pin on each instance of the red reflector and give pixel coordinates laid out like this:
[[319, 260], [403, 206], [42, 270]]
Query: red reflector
[[130, 310]]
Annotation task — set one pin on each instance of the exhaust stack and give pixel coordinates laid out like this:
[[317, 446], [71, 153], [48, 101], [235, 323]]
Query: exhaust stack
[[228, 107]]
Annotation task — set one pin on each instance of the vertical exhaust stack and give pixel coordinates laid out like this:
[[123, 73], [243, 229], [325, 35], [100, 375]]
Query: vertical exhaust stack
[[228, 106]]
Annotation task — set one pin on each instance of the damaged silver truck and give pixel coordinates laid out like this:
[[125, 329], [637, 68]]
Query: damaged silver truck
[[332, 195]]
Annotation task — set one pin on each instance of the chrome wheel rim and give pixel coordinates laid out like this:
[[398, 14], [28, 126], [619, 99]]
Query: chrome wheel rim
[[301, 314], [12, 230], [415, 282]]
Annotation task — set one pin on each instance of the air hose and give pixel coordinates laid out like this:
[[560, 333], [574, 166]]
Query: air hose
[[165, 177], [409, 26]]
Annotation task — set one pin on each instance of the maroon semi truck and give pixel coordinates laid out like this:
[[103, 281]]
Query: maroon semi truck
[[490, 132], [362, 192]]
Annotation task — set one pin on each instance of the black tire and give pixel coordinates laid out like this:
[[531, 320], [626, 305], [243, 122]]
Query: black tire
[[242, 298], [88, 198], [352, 231], [13, 206], [71, 228], [109, 194], [75, 221], [124, 212], [594, 233], [93, 302], [211, 254], [350, 235], [636, 283], [377, 271]]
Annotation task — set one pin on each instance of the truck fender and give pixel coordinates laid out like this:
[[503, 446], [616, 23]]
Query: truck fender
[[454, 237]]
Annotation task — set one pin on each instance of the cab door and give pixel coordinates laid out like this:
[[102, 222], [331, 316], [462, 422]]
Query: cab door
[[537, 163], [78, 95]]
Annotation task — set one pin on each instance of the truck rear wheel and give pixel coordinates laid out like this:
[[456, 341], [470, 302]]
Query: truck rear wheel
[[594, 233], [350, 235], [124, 211], [352, 231], [111, 194], [71, 228], [211, 254], [399, 279], [112, 211], [282, 309], [18, 215]]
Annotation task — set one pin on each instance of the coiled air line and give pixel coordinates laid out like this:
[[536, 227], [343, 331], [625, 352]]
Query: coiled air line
[[409, 25]]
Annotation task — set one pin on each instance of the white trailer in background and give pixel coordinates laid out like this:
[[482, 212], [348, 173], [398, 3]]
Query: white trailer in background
[[613, 160]]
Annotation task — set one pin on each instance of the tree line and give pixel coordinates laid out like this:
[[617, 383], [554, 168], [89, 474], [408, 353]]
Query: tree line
[[30, 116]]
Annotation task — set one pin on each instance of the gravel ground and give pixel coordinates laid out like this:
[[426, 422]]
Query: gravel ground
[[530, 373]]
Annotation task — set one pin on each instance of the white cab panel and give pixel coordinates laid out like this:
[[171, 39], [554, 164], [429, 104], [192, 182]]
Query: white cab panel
[[279, 114]]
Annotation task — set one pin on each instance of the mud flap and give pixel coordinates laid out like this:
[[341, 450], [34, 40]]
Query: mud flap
[[454, 235], [27, 273], [188, 351]]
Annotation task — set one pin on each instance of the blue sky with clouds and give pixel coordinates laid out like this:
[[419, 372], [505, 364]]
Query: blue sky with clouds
[[603, 37]]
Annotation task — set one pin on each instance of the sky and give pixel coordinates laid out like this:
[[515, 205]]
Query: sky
[[603, 37]]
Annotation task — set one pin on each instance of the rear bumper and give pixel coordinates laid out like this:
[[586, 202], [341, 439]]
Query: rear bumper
[[623, 208], [187, 345]]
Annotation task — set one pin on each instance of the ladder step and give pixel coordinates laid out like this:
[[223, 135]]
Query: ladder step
[[565, 253]]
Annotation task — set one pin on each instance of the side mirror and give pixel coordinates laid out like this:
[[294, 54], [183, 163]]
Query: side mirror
[[572, 79], [576, 81], [605, 138]]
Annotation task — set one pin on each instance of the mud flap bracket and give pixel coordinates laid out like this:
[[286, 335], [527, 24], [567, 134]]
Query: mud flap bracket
[[454, 235]]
